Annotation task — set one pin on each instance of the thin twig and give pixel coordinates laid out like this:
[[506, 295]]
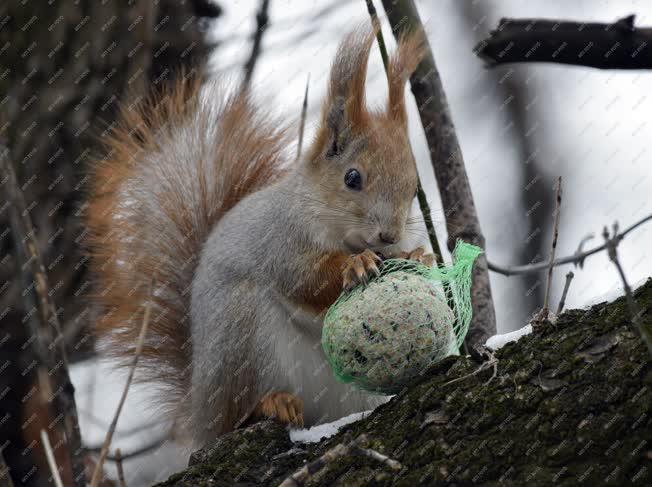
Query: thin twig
[[118, 464], [571, 259], [308, 471], [97, 474], [491, 362], [553, 249], [262, 22], [379, 457], [5, 474], [562, 301], [375, 22], [304, 113], [52, 372], [612, 251], [45, 441], [152, 445]]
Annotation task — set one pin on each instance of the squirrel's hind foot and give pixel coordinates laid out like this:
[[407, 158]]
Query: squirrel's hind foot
[[284, 407]]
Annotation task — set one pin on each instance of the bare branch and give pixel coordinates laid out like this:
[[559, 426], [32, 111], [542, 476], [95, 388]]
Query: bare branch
[[158, 442], [305, 473], [562, 301], [375, 22], [5, 474], [97, 474], [576, 258], [52, 373], [446, 157], [45, 441], [634, 311], [118, 463], [262, 22], [553, 249], [491, 361], [619, 45]]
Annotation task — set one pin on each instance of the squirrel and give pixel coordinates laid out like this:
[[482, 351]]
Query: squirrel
[[199, 214]]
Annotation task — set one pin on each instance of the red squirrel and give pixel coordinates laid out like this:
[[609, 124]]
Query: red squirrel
[[247, 248]]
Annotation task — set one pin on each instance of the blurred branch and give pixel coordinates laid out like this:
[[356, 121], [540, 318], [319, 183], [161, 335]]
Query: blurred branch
[[133, 453], [97, 474], [576, 258], [55, 385], [118, 464], [49, 454], [619, 45], [645, 330], [262, 21], [5, 474], [519, 99], [446, 158]]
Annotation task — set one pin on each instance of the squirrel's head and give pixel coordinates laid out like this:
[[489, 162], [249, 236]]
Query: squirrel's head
[[361, 162]]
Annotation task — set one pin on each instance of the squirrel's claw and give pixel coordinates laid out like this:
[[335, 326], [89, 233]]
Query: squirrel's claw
[[358, 267], [419, 255], [284, 407]]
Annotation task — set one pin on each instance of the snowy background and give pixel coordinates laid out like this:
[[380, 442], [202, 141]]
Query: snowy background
[[589, 126]]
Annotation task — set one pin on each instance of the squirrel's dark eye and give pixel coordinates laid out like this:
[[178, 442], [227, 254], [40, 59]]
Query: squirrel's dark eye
[[353, 179]]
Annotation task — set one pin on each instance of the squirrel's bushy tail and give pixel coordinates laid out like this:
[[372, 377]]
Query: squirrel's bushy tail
[[175, 166]]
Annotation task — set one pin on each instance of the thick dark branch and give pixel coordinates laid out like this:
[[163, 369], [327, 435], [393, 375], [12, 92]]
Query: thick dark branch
[[448, 164], [54, 381], [619, 45]]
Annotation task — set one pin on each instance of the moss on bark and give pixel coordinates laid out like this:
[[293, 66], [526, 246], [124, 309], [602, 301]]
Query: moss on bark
[[569, 406]]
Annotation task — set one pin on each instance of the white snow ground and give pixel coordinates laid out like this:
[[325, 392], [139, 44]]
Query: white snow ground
[[98, 388]]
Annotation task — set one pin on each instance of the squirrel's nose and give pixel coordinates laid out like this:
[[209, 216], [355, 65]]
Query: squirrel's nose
[[388, 237]]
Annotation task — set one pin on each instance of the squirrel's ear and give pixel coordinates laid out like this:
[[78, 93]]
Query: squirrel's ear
[[344, 110], [406, 58]]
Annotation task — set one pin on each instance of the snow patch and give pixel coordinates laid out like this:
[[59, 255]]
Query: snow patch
[[497, 341], [326, 430], [614, 293]]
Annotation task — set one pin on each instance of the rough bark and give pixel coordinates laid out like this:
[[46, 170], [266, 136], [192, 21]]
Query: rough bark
[[568, 406], [619, 45], [448, 164]]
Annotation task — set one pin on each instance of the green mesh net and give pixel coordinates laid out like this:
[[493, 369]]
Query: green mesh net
[[382, 335]]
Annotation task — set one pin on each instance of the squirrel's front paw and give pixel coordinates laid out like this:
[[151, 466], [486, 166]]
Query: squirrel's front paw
[[358, 267], [419, 255], [281, 406]]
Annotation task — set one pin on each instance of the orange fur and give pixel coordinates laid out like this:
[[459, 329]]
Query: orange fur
[[127, 251], [324, 285], [406, 58]]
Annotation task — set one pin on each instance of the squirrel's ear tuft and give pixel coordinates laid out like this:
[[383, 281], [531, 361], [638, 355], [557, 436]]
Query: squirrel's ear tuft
[[406, 58], [344, 110]]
